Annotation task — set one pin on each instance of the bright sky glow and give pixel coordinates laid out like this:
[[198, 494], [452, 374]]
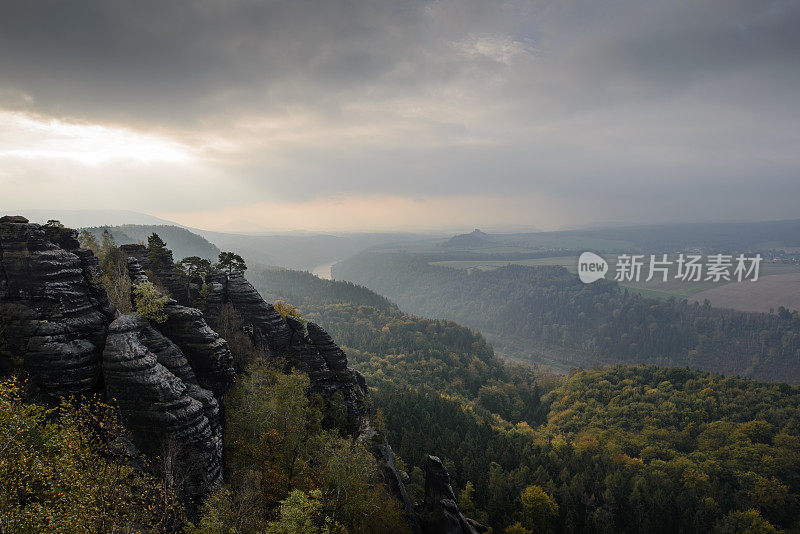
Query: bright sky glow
[[356, 114], [35, 137]]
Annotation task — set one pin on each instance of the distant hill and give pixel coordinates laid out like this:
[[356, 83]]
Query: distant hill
[[120, 237], [298, 286], [710, 237], [547, 315], [181, 241], [88, 218], [472, 240]]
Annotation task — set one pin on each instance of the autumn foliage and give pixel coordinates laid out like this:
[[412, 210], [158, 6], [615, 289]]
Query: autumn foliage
[[61, 470]]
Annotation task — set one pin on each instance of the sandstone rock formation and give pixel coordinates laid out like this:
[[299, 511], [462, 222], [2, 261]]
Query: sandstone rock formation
[[162, 403], [394, 481], [58, 315], [306, 344], [441, 514], [166, 275], [58, 327], [168, 379], [269, 330], [183, 370], [206, 351]]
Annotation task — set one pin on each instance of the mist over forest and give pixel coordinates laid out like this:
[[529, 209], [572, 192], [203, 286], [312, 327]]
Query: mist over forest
[[440, 267]]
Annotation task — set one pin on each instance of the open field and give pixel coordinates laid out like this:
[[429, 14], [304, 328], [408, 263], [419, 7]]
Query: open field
[[570, 262], [768, 293], [777, 284]]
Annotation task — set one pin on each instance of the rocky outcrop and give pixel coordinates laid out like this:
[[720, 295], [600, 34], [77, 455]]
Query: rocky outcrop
[[148, 377], [441, 514], [304, 343], [269, 330], [169, 379], [58, 314], [58, 327], [165, 273], [395, 482], [311, 348], [205, 350]]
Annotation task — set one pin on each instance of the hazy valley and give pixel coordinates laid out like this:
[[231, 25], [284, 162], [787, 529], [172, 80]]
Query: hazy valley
[[544, 438]]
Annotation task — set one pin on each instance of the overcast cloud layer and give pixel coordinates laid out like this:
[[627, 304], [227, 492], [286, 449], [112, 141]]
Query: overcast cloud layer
[[348, 115]]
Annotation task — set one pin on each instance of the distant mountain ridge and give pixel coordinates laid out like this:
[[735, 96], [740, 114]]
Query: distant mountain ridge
[[546, 312], [87, 218], [181, 241], [474, 239], [744, 236], [712, 237]]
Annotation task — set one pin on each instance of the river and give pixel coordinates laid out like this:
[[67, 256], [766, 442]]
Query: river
[[324, 270]]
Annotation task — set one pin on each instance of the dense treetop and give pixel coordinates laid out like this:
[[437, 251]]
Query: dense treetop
[[616, 449]]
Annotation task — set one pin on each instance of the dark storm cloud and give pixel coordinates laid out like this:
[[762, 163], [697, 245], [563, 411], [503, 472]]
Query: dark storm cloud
[[569, 99], [179, 60]]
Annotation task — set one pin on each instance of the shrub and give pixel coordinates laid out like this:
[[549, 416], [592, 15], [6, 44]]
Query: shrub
[[60, 473], [149, 302], [285, 309], [301, 513]]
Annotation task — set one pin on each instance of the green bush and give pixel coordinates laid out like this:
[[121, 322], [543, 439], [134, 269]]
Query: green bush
[[149, 302]]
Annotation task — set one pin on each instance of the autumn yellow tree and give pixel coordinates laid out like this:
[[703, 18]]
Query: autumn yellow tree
[[59, 472], [149, 302], [285, 309], [538, 508]]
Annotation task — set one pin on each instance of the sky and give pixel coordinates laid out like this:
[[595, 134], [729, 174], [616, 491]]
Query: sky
[[329, 115]]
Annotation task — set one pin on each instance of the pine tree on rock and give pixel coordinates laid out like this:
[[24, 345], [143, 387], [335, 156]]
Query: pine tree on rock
[[231, 262]]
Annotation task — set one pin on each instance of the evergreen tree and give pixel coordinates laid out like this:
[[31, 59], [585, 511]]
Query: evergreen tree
[[231, 262], [158, 254], [195, 266]]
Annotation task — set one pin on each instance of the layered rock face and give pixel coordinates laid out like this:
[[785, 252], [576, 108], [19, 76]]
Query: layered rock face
[[269, 330], [304, 343], [162, 403], [395, 481], [441, 514], [57, 313], [172, 377], [167, 275], [57, 325], [205, 350]]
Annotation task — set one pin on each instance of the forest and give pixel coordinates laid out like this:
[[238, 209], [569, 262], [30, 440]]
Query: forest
[[399, 267], [586, 324], [617, 449], [620, 448]]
